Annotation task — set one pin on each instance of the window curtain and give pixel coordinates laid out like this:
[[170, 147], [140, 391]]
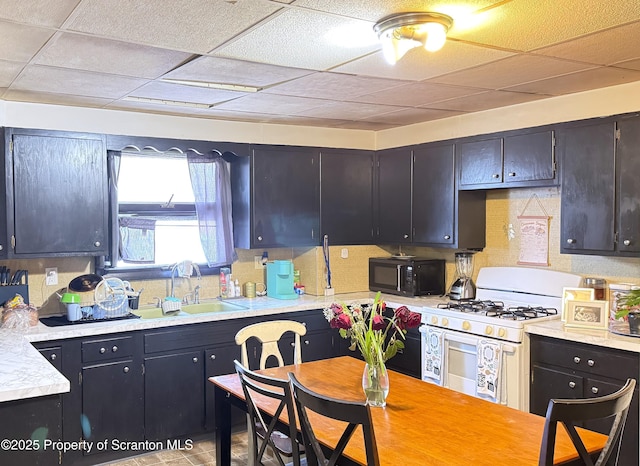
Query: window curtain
[[138, 240], [211, 183]]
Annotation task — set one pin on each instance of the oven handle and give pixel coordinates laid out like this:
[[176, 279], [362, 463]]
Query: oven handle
[[399, 278], [470, 340]]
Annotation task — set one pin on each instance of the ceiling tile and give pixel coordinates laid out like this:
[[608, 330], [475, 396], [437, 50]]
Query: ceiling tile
[[34, 12], [511, 71], [61, 81], [108, 56], [287, 38], [630, 65], [334, 86], [581, 81], [225, 70], [418, 64], [410, 116], [271, 104], [150, 107], [55, 99], [348, 110], [8, 72], [416, 94], [597, 48], [363, 125], [199, 28], [529, 25], [20, 43], [180, 93], [486, 100]]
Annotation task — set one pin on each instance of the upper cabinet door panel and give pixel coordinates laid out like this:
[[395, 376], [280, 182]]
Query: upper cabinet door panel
[[529, 157], [60, 195], [346, 196], [588, 187], [285, 197], [434, 195], [628, 160], [480, 162], [394, 196]]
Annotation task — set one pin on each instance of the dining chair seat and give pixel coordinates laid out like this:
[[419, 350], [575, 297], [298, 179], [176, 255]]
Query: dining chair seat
[[572, 412], [352, 413]]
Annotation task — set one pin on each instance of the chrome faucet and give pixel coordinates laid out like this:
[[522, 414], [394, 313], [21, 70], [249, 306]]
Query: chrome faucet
[[185, 270]]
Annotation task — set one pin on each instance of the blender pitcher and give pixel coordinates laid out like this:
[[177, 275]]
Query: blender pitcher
[[463, 287]]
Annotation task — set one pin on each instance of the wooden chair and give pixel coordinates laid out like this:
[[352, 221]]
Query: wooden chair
[[269, 334], [572, 411], [355, 414], [254, 384]]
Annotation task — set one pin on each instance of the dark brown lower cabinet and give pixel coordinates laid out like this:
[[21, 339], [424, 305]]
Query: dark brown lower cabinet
[[567, 369]]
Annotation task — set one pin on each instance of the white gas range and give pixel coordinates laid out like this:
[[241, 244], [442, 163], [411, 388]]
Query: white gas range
[[479, 346]]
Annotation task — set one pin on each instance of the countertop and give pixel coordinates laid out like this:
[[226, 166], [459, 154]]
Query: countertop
[[25, 373], [557, 329]]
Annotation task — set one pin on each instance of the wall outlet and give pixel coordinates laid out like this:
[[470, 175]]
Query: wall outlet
[[51, 275], [329, 291], [344, 253], [257, 262]]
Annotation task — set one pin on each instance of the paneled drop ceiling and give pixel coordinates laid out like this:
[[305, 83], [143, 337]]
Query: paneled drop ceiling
[[309, 62]]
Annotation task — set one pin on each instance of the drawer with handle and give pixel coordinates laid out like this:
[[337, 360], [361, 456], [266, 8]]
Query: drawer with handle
[[105, 349]]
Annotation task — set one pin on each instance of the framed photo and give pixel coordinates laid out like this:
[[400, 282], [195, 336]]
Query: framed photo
[[588, 314], [575, 294]]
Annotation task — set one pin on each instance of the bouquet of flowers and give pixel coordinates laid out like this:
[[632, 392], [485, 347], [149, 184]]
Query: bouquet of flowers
[[377, 336]]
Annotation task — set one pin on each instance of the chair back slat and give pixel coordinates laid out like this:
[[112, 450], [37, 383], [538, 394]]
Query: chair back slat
[[355, 414], [570, 413], [269, 333]]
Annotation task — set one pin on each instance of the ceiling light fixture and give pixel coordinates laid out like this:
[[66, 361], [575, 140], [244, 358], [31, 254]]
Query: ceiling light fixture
[[401, 32], [219, 86]]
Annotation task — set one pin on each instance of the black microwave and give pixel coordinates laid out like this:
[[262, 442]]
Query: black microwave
[[407, 276]]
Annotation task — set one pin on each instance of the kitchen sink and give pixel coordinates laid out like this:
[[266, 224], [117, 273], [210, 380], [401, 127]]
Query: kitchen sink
[[155, 313], [217, 306]]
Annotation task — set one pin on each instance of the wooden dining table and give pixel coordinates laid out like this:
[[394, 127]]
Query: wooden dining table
[[422, 424]]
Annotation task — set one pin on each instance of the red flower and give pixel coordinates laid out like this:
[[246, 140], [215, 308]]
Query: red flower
[[340, 321], [406, 319], [377, 323]]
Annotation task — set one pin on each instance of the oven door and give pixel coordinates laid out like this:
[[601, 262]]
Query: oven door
[[460, 368]]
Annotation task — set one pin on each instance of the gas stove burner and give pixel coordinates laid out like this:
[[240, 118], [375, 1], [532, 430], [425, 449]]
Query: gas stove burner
[[522, 312], [473, 305]]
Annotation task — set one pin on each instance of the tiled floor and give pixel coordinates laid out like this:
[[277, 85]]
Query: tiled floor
[[203, 453]]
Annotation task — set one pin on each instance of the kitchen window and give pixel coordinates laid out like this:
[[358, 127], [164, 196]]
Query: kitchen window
[[168, 207]]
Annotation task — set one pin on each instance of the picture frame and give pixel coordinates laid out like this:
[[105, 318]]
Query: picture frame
[[575, 294], [588, 314]]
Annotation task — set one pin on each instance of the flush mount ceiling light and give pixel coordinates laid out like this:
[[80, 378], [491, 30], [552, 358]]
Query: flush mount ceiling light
[[401, 32]]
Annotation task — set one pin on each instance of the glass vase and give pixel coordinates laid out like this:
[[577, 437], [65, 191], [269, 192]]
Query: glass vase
[[375, 383]]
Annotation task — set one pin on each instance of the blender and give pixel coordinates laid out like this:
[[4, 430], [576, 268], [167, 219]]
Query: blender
[[463, 287]]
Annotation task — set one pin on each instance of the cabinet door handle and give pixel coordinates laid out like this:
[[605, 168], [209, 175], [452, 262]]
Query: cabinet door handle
[[447, 236], [405, 236], [126, 369], [571, 241], [626, 242], [594, 390], [576, 359], [591, 363], [572, 384], [495, 176], [259, 238], [97, 244], [195, 360], [114, 349], [103, 350], [512, 174], [53, 357], [1, 247], [212, 357], [306, 342]]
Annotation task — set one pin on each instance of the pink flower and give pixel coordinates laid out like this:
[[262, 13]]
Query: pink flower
[[406, 319], [377, 322], [340, 321]]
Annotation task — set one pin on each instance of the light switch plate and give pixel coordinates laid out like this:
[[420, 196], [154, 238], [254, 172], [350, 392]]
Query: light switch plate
[[51, 275]]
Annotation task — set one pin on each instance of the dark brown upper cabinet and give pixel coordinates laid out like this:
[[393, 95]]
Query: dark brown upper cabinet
[[600, 197], [276, 197], [508, 160], [55, 194], [346, 195], [394, 172]]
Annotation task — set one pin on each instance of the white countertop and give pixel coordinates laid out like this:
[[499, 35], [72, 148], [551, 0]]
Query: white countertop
[[557, 329], [25, 373]]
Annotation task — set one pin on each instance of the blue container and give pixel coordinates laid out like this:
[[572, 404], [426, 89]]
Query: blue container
[[280, 280]]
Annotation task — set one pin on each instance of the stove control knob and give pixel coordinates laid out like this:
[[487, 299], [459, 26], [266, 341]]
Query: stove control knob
[[466, 325], [488, 330], [445, 321], [502, 332], [434, 320]]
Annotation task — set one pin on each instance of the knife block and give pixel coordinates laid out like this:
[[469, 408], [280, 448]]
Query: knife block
[[8, 292]]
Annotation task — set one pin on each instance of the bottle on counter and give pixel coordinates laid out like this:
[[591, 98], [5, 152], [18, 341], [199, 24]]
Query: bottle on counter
[[236, 287], [231, 292], [224, 278], [599, 286]]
